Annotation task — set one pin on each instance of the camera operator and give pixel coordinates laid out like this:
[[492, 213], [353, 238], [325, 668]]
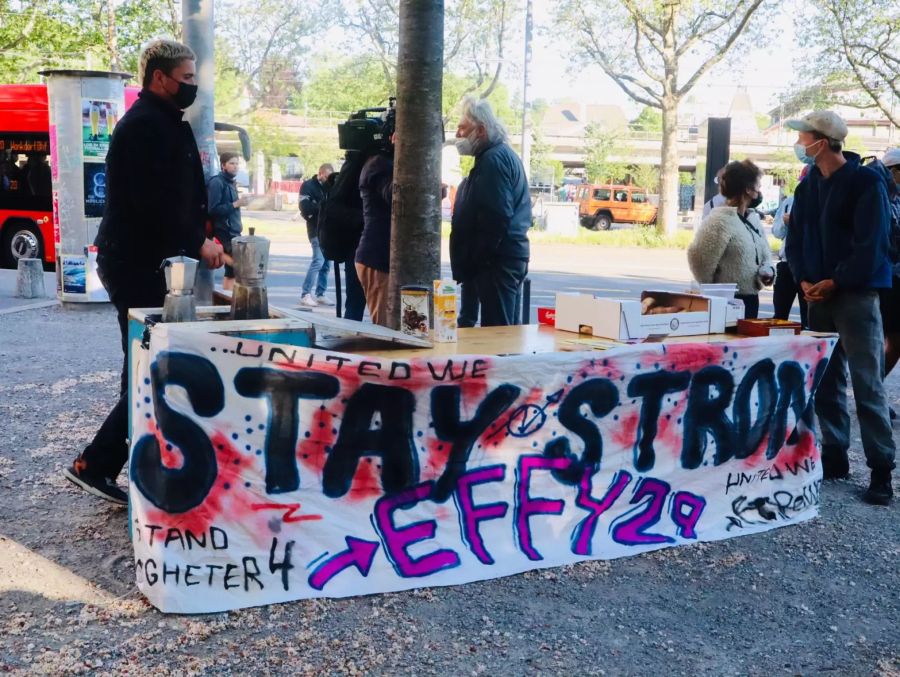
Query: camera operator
[[373, 255]]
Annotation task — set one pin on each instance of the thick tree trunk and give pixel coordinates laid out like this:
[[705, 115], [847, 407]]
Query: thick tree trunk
[[667, 219], [416, 218]]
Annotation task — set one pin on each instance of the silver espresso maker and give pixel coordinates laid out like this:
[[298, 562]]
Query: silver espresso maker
[[181, 272], [249, 298]]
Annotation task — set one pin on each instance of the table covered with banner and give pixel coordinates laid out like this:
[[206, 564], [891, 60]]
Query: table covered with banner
[[271, 464]]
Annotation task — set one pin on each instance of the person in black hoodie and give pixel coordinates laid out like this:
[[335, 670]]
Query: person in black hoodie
[[837, 248], [155, 208], [489, 248], [225, 208]]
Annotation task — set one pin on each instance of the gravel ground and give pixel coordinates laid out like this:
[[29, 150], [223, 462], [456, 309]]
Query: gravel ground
[[821, 598]]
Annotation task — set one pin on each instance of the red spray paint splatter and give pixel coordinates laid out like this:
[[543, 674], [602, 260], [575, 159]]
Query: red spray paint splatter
[[225, 498], [366, 481], [693, 357], [311, 450], [625, 433]]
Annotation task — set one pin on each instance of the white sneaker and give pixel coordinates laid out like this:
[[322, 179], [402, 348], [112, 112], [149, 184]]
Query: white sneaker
[[308, 301], [323, 300]]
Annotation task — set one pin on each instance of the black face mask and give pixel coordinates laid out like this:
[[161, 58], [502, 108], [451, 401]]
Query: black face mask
[[185, 96], [755, 202]]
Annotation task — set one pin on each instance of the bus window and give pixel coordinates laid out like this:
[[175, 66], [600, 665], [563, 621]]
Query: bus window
[[601, 193]]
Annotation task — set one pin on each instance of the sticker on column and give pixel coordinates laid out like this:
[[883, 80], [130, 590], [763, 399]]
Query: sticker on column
[[54, 157], [56, 235]]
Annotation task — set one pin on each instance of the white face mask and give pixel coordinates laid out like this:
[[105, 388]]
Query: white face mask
[[465, 145]]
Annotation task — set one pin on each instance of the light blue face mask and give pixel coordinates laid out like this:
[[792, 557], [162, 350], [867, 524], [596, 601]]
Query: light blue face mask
[[800, 152]]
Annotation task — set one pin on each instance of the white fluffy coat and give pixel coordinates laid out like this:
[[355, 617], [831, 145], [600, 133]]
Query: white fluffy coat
[[725, 250]]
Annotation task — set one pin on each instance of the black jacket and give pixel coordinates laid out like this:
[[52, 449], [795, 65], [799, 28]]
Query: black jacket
[[155, 194], [226, 218], [492, 214], [312, 194], [376, 186]]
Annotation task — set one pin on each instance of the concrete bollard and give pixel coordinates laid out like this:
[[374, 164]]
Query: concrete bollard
[[30, 279]]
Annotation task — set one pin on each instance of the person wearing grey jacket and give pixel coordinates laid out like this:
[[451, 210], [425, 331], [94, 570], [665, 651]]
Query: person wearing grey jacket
[[730, 245], [225, 209]]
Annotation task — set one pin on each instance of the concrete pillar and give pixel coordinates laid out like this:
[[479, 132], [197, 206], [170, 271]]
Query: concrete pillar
[[30, 279]]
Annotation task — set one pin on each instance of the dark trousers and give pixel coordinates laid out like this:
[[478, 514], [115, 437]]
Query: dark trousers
[[499, 290], [468, 305], [751, 305], [355, 304], [856, 317], [784, 292], [107, 453]]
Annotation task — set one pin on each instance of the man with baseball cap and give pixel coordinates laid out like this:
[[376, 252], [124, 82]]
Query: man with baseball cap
[[837, 248]]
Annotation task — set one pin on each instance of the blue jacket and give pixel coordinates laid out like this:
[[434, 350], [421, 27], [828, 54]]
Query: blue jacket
[[225, 216], [376, 185], [492, 214], [839, 228]]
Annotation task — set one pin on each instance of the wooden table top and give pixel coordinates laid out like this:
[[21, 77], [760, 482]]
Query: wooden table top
[[513, 340]]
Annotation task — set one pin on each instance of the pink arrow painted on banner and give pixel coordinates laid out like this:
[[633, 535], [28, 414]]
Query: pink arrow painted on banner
[[359, 554]]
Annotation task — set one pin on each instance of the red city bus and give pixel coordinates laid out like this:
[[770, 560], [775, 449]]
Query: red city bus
[[26, 203], [26, 206]]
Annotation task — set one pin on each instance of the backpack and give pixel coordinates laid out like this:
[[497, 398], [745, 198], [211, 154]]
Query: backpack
[[340, 214]]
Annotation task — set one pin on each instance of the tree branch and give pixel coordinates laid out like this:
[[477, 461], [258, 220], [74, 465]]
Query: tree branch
[[717, 57]]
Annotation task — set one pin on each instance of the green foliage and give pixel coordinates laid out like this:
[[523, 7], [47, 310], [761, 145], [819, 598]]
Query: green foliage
[[37, 35], [763, 121], [649, 120], [646, 177], [686, 179], [229, 91], [786, 171], [602, 146], [854, 51], [345, 86]]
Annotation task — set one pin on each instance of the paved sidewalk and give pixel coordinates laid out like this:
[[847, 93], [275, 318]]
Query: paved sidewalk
[[10, 304]]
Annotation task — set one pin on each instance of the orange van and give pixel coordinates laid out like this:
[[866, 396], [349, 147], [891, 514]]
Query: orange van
[[601, 205]]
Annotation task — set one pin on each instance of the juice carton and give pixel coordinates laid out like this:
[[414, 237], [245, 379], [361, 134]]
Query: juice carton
[[445, 314]]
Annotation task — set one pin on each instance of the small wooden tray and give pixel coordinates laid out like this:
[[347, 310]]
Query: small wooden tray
[[770, 327]]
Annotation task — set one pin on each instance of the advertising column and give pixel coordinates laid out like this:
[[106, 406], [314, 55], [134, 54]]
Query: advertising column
[[84, 108]]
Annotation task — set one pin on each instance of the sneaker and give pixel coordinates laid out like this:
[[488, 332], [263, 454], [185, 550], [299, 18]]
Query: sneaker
[[103, 487], [880, 491], [323, 300], [308, 301], [835, 464]]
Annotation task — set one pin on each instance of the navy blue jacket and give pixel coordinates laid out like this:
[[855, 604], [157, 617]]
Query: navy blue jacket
[[312, 194], [225, 216], [376, 186], [492, 214], [840, 227]]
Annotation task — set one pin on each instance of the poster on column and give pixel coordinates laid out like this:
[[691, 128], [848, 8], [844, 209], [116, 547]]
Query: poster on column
[[94, 189], [98, 118], [263, 472]]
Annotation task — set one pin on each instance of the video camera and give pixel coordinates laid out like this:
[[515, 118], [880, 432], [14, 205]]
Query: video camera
[[366, 132]]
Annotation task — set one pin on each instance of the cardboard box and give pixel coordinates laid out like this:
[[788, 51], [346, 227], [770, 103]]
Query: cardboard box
[[770, 327], [547, 316], [621, 319]]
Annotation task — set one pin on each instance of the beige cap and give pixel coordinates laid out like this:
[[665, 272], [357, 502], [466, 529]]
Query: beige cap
[[822, 121]]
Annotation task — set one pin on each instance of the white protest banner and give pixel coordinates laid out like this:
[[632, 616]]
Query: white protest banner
[[262, 473]]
